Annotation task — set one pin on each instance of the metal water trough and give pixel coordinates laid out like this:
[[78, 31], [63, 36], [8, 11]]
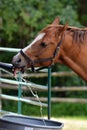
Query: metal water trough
[[16, 122]]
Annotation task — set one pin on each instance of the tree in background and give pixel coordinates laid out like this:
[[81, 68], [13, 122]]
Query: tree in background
[[20, 20], [82, 11]]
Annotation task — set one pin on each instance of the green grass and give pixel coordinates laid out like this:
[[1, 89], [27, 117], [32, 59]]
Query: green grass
[[57, 109]]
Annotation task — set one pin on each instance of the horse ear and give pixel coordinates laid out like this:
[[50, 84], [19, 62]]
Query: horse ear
[[56, 21], [63, 28]]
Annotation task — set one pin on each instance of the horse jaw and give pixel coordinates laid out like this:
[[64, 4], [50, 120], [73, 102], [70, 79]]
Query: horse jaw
[[75, 67]]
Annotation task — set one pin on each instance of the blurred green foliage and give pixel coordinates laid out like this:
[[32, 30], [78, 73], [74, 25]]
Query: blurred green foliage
[[21, 20], [82, 11]]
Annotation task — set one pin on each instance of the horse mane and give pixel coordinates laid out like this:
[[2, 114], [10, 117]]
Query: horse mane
[[79, 34]]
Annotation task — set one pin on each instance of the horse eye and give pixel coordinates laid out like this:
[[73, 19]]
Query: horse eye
[[43, 44]]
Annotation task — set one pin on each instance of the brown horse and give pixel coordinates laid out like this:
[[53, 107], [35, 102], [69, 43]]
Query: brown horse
[[56, 44]]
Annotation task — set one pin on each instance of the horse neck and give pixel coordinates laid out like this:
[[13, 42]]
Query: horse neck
[[74, 55]]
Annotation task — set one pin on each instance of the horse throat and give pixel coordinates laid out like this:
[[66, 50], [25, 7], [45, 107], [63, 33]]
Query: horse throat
[[75, 67]]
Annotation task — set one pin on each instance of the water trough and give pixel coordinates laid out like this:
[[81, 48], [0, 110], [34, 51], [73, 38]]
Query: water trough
[[16, 122]]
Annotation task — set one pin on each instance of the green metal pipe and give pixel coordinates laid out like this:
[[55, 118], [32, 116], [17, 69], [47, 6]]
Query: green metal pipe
[[49, 92], [19, 92], [9, 49], [33, 85]]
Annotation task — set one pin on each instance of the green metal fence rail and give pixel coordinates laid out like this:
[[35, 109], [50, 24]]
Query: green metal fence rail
[[20, 84]]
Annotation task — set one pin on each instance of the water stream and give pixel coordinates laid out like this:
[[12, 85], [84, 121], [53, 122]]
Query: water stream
[[37, 97]]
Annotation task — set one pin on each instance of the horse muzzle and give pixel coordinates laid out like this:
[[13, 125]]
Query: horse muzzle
[[19, 62]]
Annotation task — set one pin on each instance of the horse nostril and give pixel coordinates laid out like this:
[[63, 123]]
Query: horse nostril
[[16, 61]]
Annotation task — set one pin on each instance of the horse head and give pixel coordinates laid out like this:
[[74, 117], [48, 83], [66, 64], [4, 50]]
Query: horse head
[[56, 43], [43, 51]]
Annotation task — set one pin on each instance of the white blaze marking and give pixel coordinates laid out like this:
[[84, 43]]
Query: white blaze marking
[[39, 37]]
